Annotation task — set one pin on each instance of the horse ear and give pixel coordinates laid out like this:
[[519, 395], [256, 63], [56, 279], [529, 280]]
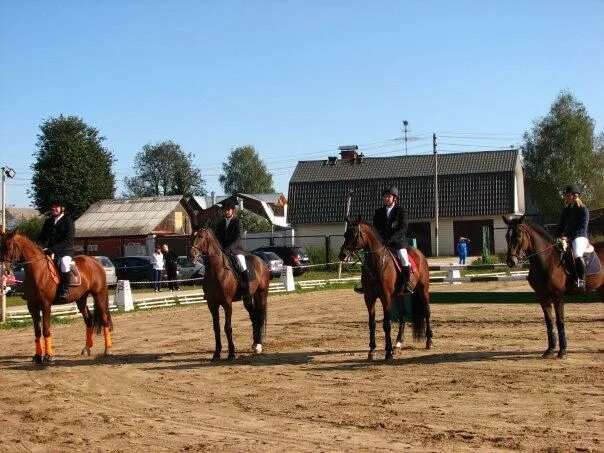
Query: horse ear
[[521, 218], [359, 219], [505, 220]]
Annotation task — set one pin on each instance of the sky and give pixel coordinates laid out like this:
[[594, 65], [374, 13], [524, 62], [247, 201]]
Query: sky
[[294, 79]]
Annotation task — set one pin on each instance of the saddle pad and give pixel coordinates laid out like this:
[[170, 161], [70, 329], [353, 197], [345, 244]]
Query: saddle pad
[[234, 265], [398, 264], [592, 263], [75, 277]]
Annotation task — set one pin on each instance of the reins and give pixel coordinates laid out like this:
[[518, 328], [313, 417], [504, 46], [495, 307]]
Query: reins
[[525, 257]]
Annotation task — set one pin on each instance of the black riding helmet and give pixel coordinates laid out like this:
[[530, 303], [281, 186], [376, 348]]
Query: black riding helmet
[[572, 189], [58, 201], [391, 190], [228, 204]]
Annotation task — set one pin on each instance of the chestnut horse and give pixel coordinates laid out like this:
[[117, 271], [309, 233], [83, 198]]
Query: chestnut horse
[[528, 240], [220, 289], [40, 289], [379, 277]]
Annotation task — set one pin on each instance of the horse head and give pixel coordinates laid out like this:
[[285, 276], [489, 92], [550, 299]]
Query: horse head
[[201, 241], [355, 238], [517, 238]]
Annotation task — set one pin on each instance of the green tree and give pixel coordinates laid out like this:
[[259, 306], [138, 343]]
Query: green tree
[[252, 222], [164, 169], [71, 163], [31, 227], [562, 148], [244, 172]]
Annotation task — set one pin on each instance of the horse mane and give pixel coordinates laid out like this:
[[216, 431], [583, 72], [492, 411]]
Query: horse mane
[[540, 229], [18, 233], [372, 229]]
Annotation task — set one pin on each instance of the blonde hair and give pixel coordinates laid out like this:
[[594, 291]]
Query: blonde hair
[[577, 201]]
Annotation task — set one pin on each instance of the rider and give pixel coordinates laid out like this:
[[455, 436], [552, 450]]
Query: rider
[[57, 237], [229, 231], [573, 226], [391, 222]]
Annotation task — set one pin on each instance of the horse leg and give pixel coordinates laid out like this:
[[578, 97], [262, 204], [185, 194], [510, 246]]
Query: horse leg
[[228, 329], [400, 305], [370, 303], [102, 315], [546, 306], [559, 309], [250, 304], [387, 325], [36, 318], [48, 349], [425, 295], [214, 310], [260, 301], [89, 321]]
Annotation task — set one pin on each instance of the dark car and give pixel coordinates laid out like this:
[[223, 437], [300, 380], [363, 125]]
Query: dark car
[[291, 255], [272, 260], [134, 268]]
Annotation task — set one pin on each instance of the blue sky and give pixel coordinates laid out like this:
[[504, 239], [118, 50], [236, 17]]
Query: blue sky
[[295, 79]]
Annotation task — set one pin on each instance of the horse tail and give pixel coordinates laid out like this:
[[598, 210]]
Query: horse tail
[[97, 314], [418, 316]]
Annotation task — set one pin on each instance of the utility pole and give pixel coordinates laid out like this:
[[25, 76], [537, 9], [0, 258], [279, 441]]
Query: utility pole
[[346, 223], [10, 173], [405, 124], [435, 193]]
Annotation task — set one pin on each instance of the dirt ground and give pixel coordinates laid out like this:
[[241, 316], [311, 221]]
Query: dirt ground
[[483, 385]]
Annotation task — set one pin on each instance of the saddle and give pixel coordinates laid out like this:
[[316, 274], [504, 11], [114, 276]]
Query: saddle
[[233, 265], [399, 265], [75, 278], [592, 262]]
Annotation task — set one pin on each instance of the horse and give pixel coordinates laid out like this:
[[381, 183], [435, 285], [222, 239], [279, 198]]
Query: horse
[[40, 289], [379, 279], [527, 240], [221, 289]]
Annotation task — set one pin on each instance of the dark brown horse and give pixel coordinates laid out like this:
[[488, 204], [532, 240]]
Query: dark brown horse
[[528, 240], [40, 289], [221, 288], [379, 278]]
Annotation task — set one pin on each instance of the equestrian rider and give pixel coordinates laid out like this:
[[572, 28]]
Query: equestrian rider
[[391, 222], [229, 231], [573, 227], [57, 238]]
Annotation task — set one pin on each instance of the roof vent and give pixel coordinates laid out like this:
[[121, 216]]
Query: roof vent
[[331, 160], [348, 152]]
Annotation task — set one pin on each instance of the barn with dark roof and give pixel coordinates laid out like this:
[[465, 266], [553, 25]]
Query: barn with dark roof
[[474, 190]]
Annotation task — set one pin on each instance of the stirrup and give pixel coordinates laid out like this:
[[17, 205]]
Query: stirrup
[[580, 284], [407, 289]]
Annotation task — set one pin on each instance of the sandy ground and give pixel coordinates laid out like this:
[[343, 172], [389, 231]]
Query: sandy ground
[[483, 385]]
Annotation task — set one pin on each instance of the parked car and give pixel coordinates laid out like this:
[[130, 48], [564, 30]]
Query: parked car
[[186, 269], [272, 260], [134, 268], [14, 280], [291, 256], [109, 269]]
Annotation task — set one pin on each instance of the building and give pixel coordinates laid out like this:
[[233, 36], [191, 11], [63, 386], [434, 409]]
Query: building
[[474, 190]]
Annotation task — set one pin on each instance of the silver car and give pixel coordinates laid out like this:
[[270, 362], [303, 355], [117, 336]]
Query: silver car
[[187, 270], [109, 269]]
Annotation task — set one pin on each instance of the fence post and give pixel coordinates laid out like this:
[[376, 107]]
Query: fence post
[[327, 249], [486, 245]]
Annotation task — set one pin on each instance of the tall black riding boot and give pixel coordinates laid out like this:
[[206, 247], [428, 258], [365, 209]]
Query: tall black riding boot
[[63, 289], [580, 267], [245, 285], [405, 275]]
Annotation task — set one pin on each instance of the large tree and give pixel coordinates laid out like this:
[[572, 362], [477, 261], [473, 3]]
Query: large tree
[[562, 148], [245, 172], [164, 169], [71, 163]]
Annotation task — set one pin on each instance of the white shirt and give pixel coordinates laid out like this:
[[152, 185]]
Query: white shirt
[[158, 261]]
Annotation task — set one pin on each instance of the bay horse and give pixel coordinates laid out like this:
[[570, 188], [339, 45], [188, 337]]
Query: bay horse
[[40, 289], [379, 279], [221, 289], [527, 240]]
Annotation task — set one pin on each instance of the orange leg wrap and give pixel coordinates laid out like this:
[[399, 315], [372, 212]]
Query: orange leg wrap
[[107, 335], [89, 341], [39, 346], [48, 346]]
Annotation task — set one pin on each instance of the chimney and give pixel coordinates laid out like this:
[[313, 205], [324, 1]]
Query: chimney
[[213, 197], [348, 152]]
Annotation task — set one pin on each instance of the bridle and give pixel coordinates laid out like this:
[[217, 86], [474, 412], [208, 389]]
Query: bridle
[[523, 232]]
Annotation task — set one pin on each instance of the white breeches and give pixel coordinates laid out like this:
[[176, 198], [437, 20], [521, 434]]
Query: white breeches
[[402, 254], [579, 245], [241, 259], [65, 263]]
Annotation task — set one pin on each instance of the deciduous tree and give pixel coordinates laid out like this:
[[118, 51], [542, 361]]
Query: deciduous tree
[[245, 172]]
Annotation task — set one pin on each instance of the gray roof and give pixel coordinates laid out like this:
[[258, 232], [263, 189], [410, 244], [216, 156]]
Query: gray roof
[[208, 202], [126, 217], [469, 184], [266, 197]]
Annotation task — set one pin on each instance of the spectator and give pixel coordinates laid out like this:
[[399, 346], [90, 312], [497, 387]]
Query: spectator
[[462, 249], [157, 259], [171, 261]]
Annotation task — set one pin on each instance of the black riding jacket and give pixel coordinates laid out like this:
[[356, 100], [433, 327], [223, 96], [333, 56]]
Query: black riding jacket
[[230, 238], [573, 222], [58, 237], [392, 229]]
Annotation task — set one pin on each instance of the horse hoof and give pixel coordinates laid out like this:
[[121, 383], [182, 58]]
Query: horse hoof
[[389, 356], [561, 354], [231, 356], [37, 359], [258, 349], [371, 355], [429, 344], [398, 345], [49, 360], [548, 354], [85, 350], [215, 357]]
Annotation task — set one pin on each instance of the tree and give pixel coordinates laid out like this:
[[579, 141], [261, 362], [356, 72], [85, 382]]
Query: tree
[[560, 149], [164, 169], [31, 227], [71, 163], [252, 222], [244, 172]]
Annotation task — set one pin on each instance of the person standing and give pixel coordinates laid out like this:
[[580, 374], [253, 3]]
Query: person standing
[[391, 222], [171, 262], [229, 231], [573, 226], [56, 237], [462, 249], [157, 260]]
